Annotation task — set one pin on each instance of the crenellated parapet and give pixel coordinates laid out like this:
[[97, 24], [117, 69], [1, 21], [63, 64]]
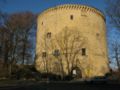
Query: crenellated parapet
[[83, 8]]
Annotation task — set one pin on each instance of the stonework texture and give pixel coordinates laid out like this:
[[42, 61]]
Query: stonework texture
[[72, 36]]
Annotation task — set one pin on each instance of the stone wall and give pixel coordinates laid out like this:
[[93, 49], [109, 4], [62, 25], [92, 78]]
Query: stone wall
[[89, 21]]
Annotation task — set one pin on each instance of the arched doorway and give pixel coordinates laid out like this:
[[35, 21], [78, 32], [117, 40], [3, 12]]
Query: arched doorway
[[76, 72]]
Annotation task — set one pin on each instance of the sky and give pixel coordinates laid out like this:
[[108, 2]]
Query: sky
[[37, 6]]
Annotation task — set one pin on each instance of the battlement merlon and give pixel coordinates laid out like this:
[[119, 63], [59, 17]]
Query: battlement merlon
[[74, 6]]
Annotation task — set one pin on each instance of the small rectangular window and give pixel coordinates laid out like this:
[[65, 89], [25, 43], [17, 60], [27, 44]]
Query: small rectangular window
[[49, 35], [44, 54], [71, 17], [83, 51], [42, 23]]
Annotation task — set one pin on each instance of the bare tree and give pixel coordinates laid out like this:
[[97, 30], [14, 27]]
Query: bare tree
[[113, 11], [115, 56], [28, 21], [67, 46], [4, 44], [19, 26], [70, 43]]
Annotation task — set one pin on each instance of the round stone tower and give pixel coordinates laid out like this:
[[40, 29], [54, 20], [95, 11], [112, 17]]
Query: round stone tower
[[72, 39]]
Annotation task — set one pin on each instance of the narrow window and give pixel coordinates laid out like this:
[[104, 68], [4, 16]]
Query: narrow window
[[56, 53], [83, 51], [71, 17], [97, 34], [44, 54], [49, 35], [42, 23]]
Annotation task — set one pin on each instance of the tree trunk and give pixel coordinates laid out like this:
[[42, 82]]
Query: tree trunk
[[62, 69]]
